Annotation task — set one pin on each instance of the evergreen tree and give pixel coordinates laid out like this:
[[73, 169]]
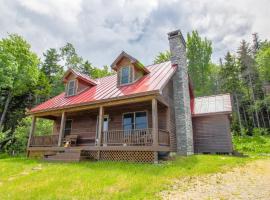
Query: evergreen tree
[[249, 76], [230, 82]]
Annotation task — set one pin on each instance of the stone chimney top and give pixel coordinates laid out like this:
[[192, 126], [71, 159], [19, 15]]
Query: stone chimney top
[[177, 33]]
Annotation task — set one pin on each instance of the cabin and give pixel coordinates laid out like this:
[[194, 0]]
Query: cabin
[[139, 114]]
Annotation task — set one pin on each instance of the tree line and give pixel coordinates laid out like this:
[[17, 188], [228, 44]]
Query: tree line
[[244, 74], [27, 80]]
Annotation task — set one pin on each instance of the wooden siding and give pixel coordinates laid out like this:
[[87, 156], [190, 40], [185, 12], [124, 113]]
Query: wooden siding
[[167, 94], [83, 124], [82, 86], [116, 114], [212, 134]]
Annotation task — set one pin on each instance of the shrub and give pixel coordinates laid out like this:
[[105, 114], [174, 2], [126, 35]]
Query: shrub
[[252, 144], [260, 131], [20, 136]]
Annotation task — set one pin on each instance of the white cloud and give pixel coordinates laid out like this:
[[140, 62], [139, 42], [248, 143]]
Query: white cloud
[[101, 29]]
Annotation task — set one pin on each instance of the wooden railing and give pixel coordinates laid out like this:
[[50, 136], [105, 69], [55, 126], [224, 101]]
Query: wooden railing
[[44, 141], [163, 137], [137, 137]]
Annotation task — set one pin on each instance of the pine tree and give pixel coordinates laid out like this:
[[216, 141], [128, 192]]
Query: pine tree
[[229, 75]]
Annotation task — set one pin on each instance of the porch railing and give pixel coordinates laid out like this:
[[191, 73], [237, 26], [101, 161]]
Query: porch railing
[[44, 141], [137, 137], [163, 137]]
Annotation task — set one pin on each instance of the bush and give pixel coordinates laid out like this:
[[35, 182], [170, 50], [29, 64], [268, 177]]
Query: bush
[[252, 144], [260, 131], [18, 143]]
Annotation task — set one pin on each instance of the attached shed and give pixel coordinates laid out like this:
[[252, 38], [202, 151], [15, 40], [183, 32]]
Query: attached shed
[[211, 124]]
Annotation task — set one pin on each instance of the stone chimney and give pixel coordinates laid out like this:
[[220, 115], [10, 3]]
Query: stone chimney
[[183, 121]]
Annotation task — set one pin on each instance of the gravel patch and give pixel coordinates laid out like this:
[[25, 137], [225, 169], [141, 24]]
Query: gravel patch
[[251, 181]]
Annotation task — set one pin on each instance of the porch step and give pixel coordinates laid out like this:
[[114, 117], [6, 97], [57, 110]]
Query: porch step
[[69, 155]]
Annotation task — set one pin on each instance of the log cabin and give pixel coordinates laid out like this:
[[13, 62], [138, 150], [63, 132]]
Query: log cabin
[[140, 114]]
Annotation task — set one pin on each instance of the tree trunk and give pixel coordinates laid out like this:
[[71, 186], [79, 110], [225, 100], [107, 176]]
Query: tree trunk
[[9, 97], [253, 98], [266, 108], [245, 116], [238, 113], [262, 117]]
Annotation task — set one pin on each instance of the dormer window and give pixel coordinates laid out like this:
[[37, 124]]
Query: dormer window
[[71, 88], [129, 70], [125, 75]]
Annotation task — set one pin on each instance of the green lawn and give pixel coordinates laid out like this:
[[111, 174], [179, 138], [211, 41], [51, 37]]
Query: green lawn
[[22, 178]]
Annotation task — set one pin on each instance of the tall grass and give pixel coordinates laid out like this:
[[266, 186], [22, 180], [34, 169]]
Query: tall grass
[[252, 144]]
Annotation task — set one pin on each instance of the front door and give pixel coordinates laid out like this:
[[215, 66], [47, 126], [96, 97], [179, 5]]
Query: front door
[[106, 123]]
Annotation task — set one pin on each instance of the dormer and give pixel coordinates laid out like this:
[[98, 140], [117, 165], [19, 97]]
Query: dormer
[[76, 82], [128, 69]]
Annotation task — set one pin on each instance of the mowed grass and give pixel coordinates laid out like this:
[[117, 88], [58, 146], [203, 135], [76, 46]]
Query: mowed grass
[[22, 178]]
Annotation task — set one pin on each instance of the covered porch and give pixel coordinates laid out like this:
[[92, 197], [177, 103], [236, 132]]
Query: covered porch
[[132, 126]]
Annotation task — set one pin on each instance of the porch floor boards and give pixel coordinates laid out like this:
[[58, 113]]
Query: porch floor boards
[[102, 148]]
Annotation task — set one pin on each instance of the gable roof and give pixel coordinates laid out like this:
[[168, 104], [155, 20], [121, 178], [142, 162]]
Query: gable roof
[[79, 75], [106, 89], [215, 104], [133, 60]]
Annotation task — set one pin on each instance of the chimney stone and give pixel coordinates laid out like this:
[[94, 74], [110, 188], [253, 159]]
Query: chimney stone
[[183, 121]]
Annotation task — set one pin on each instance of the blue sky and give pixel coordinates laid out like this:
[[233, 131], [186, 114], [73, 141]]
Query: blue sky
[[100, 30]]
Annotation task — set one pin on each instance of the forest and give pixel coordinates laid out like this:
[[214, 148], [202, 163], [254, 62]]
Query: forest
[[27, 80]]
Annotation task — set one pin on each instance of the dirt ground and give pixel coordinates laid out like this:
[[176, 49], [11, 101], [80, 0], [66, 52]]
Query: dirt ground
[[251, 181]]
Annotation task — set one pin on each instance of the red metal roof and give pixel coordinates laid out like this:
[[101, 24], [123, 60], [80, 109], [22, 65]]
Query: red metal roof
[[212, 105], [106, 88]]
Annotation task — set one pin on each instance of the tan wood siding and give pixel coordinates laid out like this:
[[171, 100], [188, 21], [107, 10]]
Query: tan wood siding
[[212, 134], [81, 86]]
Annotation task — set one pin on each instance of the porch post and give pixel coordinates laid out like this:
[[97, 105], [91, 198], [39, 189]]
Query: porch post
[[155, 127], [100, 127], [168, 118], [32, 132], [62, 128]]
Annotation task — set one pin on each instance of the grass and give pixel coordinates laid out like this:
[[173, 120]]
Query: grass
[[252, 145], [22, 178]]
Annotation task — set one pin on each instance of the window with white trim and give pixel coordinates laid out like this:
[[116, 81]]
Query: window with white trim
[[71, 88], [125, 75]]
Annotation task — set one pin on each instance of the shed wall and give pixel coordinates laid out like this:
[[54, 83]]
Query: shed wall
[[212, 134]]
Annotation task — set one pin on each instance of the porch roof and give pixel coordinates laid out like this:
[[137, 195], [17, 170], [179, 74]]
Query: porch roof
[[107, 89]]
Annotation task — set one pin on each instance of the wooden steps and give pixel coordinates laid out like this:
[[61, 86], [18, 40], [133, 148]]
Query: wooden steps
[[69, 155]]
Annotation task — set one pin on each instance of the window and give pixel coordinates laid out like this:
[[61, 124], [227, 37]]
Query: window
[[125, 75], [141, 120], [67, 130], [136, 120], [71, 88]]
